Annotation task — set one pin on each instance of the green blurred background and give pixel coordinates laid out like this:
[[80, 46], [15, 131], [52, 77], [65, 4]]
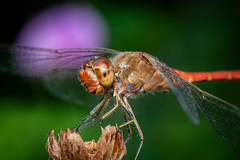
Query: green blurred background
[[188, 35]]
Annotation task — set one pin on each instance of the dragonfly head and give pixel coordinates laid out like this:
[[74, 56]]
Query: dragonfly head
[[97, 75]]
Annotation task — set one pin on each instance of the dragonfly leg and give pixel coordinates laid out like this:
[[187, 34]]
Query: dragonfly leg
[[113, 109], [124, 114], [100, 106], [129, 130], [128, 109]]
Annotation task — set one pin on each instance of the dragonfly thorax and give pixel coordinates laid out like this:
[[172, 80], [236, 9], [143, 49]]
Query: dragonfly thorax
[[136, 74], [97, 75]]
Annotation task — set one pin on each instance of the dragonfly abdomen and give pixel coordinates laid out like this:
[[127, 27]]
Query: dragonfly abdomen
[[195, 77]]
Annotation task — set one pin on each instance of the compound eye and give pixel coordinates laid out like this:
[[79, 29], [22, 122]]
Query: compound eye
[[103, 68]]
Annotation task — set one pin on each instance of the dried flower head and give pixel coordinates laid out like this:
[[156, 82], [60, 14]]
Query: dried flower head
[[110, 146]]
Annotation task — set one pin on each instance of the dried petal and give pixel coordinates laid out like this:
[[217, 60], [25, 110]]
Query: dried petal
[[71, 146], [52, 146]]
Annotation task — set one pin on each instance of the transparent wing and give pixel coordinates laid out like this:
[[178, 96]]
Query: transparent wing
[[57, 67], [64, 83], [223, 116], [36, 62]]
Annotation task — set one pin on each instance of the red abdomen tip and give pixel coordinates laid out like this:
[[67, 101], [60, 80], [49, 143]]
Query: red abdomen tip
[[209, 76]]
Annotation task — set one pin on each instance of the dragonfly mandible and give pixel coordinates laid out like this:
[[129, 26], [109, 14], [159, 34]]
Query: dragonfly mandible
[[120, 75]]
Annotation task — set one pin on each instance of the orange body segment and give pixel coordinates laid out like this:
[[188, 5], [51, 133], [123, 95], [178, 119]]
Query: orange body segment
[[209, 76]]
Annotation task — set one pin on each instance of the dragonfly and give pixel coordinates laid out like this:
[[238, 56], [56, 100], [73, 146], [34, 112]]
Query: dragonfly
[[74, 72]]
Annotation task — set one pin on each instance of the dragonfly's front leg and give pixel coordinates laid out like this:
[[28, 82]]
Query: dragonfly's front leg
[[116, 104], [113, 109], [100, 106]]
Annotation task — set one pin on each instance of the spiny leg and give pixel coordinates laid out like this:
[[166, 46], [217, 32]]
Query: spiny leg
[[116, 101], [124, 114], [97, 114], [128, 109], [101, 110], [129, 130], [113, 109], [100, 106]]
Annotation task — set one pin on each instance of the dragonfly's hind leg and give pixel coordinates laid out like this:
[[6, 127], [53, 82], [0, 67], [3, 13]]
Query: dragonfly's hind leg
[[129, 111], [100, 106], [129, 130]]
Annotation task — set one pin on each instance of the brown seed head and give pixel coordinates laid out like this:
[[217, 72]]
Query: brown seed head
[[110, 146]]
